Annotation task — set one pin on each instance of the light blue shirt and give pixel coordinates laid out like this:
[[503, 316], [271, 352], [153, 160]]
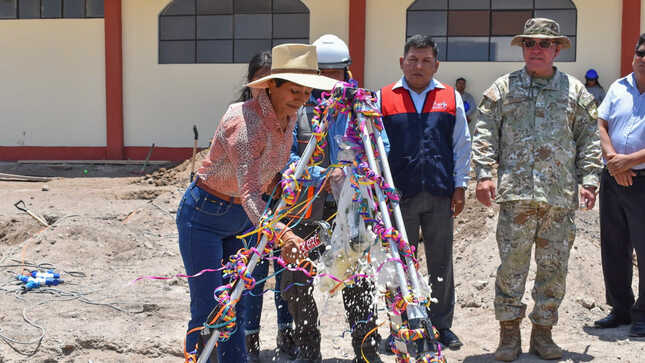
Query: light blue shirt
[[624, 110], [336, 127], [460, 134]]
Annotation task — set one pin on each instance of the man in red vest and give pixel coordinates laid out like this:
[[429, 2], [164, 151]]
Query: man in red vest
[[430, 161]]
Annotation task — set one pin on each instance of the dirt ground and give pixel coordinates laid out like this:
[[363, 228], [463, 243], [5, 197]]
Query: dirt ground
[[108, 226]]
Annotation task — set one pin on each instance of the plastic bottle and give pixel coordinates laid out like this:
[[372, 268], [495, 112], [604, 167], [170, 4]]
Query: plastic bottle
[[36, 282], [49, 274]]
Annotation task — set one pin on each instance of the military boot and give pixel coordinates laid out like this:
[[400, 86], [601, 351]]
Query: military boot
[[542, 343], [253, 347], [510, 340]]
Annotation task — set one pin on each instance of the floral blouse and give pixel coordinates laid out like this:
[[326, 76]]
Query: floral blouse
[[248, 149]]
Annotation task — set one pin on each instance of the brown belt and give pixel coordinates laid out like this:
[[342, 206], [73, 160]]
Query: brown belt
[[209, 190]]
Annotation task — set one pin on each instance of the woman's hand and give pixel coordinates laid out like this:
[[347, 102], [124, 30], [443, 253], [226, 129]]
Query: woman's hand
[[290, 252]]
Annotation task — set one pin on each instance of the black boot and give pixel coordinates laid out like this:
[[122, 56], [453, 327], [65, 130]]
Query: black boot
[[253, 348], [361, 315], [302, 308], [285, 343], [367, 351], [317, 359]]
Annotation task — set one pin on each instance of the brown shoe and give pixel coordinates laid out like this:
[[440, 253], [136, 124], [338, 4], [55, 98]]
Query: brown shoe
[[542, 343], [510, 340]]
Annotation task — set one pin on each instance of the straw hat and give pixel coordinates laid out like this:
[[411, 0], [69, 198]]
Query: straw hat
[[295, 63], [542, 28]]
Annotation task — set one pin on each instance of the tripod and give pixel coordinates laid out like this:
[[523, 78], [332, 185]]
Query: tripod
[[415, 339]]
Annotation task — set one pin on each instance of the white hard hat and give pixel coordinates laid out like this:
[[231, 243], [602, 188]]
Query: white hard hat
[[332, 52]]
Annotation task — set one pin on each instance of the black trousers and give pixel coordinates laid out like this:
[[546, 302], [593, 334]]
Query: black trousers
[[434, 216], [360, 310], [622, 230]]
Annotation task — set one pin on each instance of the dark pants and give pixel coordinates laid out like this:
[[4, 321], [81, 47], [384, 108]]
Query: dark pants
[[253, 312], [434, 216], [622, 230], [297, 291], [361, 315], [207, 228], [360, 311]]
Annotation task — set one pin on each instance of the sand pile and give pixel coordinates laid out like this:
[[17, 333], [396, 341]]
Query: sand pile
[[177, 175]]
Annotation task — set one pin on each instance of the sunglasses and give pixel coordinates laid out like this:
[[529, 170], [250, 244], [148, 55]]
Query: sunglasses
[[530, 43], [640, 53]]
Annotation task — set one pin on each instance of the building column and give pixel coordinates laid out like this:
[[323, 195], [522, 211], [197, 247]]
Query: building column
[[631, 27], [114, 79], [357, 39]]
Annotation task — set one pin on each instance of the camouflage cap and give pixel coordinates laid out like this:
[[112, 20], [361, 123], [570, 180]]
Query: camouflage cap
[[542, 28]]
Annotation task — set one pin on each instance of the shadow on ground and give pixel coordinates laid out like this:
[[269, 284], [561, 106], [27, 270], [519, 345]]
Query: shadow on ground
[[73, 170], [270, 355], [612, 335], [568, 356]]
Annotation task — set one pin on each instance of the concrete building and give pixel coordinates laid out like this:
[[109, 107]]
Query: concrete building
[[104, 79]]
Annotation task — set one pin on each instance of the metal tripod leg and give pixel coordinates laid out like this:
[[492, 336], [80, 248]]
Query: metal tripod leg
[[417, 315], [413, 310]]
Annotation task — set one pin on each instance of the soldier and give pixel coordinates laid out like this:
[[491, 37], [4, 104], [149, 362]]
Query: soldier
[[539, 125]]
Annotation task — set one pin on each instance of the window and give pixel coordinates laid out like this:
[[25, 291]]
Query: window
[[50, 9], [481, 30], [228, 31]]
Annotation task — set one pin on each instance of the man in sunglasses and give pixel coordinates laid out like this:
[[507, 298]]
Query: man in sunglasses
[[621, 120], [538, 125]]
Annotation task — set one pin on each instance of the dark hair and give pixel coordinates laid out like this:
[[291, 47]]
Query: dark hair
[[259, 61], [461, 79], [594, 79], [641, 40], [420, 41]]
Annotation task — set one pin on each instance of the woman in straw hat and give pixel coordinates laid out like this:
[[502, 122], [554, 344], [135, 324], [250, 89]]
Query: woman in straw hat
[[251, 145]]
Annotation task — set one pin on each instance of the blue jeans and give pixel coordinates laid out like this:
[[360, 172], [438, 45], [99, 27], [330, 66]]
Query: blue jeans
[[207, 228], [254, 305]]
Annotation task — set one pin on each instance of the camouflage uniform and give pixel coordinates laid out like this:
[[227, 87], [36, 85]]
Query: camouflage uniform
[[542, 133]]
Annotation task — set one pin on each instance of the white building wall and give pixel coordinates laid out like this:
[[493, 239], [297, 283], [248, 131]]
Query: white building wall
[[163, 101], [53, 82], [53, 94], [598, 37], [384, 41], [329, 17]]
